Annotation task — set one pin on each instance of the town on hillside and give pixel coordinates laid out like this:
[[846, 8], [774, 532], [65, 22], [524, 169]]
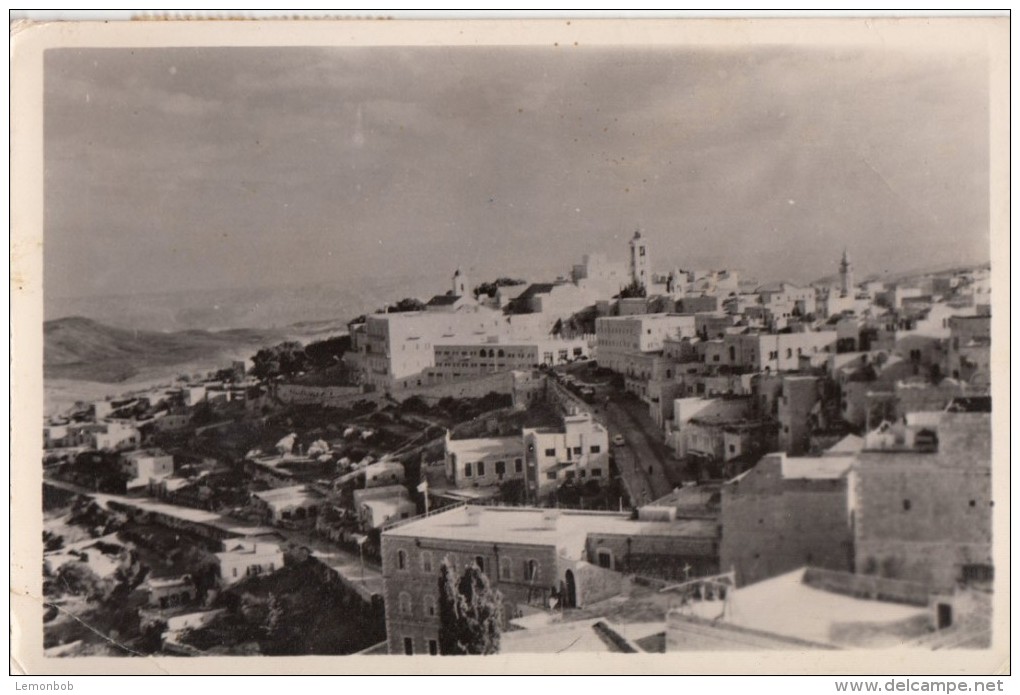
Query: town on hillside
[[625, 458]]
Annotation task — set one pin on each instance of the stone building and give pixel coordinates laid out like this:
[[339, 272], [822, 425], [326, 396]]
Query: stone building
[[921, 506], [786, 513], [545, 558]]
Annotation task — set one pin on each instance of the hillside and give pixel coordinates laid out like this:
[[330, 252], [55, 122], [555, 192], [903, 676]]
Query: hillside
[[80, 348]]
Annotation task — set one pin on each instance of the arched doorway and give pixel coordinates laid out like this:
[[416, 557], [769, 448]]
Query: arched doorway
[[570, 596]]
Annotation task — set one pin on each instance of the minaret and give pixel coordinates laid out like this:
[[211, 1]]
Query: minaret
[[846, 276], [460, 284], [640, 261]]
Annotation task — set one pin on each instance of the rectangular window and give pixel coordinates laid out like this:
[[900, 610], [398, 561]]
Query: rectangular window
[[467, 470], [408, 646], [500, 467], [481, 468], [518, 466], [595, 448], [577, 451], [550, 452], [551, 475], [596, 472]]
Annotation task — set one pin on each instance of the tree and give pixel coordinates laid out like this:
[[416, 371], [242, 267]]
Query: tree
[[405, 304], [78, 579], [274, 615], [328, 352], [634, 289], [286, 359], [470, 612], [490, 288]]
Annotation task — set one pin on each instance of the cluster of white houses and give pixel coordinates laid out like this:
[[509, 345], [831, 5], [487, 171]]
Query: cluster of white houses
[[542, 458], [902, 514], [834, 422]]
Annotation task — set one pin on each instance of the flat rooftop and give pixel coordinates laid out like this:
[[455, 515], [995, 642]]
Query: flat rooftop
[[471, 449], [526, 526], [816, 467], [786, 606]]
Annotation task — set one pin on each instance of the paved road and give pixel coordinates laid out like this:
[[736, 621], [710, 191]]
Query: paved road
[[641, 461]]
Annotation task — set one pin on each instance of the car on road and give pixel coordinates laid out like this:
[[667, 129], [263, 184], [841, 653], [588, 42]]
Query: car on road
[[618, 440]]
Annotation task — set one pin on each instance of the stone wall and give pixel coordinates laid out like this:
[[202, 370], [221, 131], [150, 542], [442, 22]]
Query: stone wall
[[771, 525], [666, 556], [501, 382], [330, 396], [923, 516]]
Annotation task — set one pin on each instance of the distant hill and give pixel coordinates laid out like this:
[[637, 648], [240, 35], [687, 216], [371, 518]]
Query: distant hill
[[906, 276], [81, 348]]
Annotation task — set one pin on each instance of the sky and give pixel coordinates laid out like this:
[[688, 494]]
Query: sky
[[173, 169]]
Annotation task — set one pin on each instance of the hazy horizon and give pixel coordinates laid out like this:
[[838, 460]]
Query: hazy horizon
[[204, 169]]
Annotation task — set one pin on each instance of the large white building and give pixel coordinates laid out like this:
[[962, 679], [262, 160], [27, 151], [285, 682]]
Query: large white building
[[454, 361], [395, 349], [604, 277], [621, 339]]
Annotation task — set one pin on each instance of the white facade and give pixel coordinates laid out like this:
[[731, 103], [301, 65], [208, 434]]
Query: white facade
[[483, 461], [146, 466], [248, 558], [578, 451], [618, 338]]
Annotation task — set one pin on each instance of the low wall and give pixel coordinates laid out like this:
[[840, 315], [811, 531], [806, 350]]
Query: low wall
[[867, 586], [330, 396], [500, 382]]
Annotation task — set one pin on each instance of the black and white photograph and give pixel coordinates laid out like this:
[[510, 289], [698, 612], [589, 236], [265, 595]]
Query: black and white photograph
[[664, 347]]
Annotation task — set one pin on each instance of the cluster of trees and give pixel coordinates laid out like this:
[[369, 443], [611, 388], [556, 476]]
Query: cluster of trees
[[405, 304], [470, 612], [96, 470], [634, 289], [291, 357], [78, 579], [582, 322], [490, 288]]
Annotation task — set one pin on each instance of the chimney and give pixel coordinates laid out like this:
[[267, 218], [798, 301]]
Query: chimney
[[550, 519]]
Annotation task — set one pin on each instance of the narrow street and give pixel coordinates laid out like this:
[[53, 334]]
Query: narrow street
[[642, 460]]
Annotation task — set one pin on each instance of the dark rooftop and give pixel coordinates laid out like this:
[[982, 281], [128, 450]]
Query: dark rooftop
[[970, 404], [444, 300]]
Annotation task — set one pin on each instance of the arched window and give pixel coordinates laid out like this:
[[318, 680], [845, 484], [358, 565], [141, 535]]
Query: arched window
[[401, 560], [404, 601], [430, 605], [426, 561], [530, 570], [505, 568], [500, 353]]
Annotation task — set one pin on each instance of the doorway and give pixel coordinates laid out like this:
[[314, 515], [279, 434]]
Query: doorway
[[945, 615], [570, 599]]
